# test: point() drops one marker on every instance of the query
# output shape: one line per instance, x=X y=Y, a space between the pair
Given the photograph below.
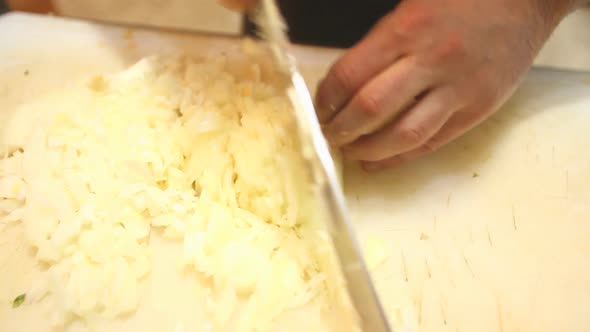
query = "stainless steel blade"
x=316 y=152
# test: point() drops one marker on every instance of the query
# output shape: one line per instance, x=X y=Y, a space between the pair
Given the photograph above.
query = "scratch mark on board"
x=514 y=219
x=405 y=267
x=451 y=280
x=468 y=265
x=419 y=305
x=428 y=268
x=442 y=311
x=489 y=237
x=567 y=183
x=500 y=318
x=396 y=230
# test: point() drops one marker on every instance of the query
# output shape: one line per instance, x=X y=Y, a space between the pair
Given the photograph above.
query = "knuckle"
x=450 y=49
x=453 y=45
x=344 y=74
x=375 y=154
x=414 y=20
x=367 y=154
x=430 y=146
x=369 y=104
x=413 y=135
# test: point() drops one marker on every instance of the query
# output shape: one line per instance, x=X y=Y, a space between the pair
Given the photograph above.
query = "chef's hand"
x=428 y=72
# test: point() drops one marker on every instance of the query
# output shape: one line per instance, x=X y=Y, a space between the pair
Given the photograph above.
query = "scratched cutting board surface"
x=492 y=233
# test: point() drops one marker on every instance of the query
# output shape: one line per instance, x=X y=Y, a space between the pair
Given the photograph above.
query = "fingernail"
x=327 y=102
x=320 y=97
x=337 y=139
x=325 y=114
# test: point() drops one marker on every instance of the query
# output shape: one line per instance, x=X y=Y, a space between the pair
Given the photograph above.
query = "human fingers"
x=457 y=125
x=378 y=102
x=376 y=52
x=412 y=130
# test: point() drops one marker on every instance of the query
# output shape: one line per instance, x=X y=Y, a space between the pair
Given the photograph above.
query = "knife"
x=316 y=154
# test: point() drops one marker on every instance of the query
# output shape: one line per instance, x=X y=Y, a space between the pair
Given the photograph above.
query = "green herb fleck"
x=475 y=175
x=19 y=300
x=27 y=72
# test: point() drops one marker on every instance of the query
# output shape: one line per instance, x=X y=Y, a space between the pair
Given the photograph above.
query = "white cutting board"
x=491 y=233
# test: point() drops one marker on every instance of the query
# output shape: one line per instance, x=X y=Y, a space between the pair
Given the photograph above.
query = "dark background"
x=336 y=23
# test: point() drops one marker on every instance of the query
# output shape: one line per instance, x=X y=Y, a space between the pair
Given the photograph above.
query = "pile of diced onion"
x=201 y=150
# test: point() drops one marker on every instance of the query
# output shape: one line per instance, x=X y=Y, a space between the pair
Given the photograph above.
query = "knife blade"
x=316 y=153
